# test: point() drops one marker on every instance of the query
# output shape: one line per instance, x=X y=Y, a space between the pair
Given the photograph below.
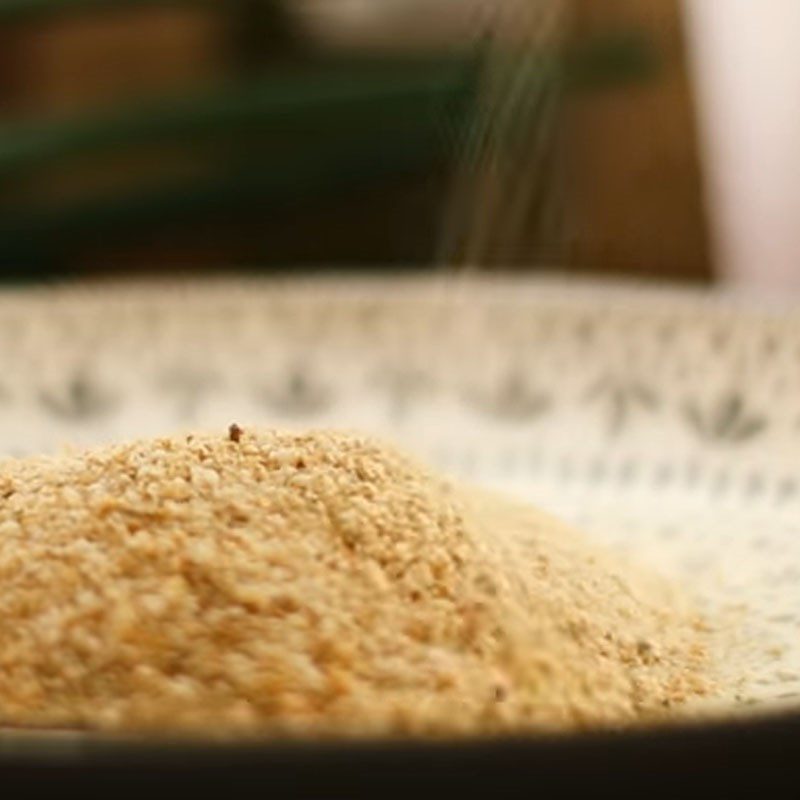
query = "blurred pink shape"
x=746 y=60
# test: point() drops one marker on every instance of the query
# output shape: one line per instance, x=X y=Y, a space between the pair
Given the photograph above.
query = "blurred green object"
x=333 y=94
x=276 y=140
x=315 y=133
x=40 y=236
x=327 y=91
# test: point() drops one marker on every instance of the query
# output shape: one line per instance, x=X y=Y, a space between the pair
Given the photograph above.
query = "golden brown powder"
x=313 y=584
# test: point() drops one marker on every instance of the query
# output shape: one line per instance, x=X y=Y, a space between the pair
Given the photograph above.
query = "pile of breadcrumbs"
x=312 y=584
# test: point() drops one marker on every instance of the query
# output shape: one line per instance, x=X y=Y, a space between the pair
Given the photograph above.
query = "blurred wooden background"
x=632 y=177
x=637 y=190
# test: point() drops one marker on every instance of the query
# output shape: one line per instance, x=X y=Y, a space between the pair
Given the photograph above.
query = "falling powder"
x=314 y=584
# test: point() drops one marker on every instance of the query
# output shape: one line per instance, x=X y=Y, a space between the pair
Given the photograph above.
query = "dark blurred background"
x=267 y=135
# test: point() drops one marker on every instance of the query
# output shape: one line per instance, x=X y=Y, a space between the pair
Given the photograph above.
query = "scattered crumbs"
x=234 y=432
